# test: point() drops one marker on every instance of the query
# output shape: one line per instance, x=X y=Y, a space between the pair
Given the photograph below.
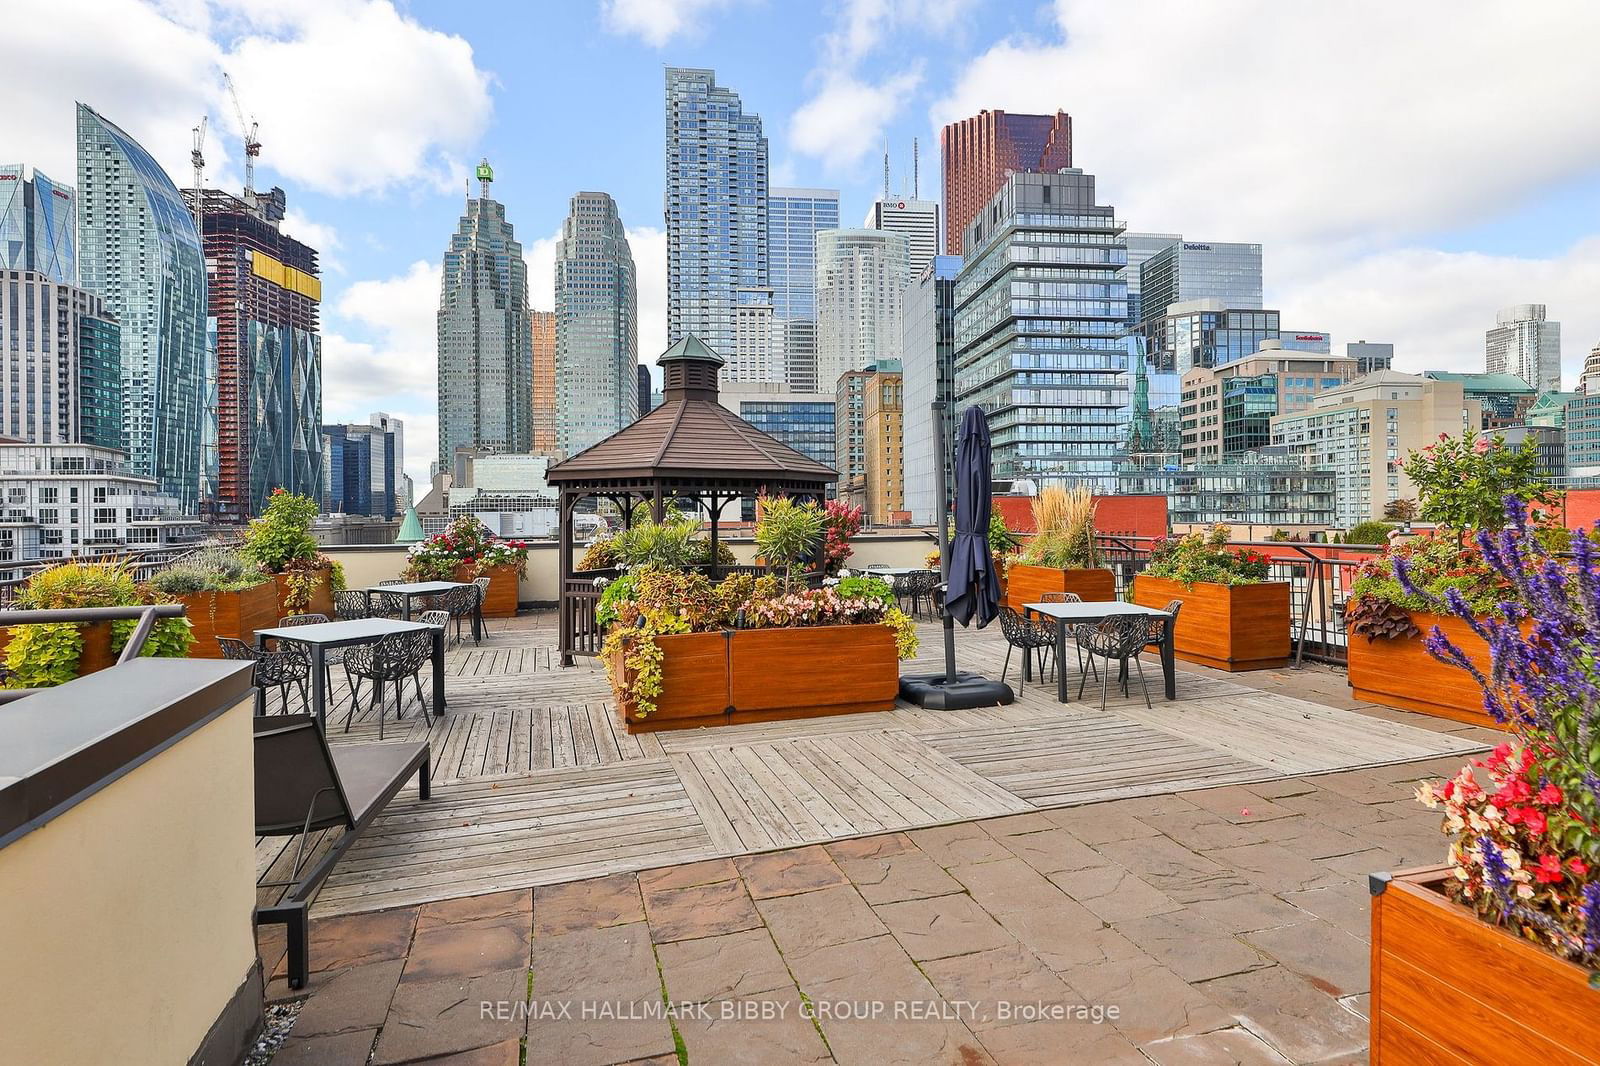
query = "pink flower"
x=1548 y=871
x=1481 y=446
x=1550 y=795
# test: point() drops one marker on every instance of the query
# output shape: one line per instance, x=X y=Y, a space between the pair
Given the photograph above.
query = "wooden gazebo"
x=690 y=447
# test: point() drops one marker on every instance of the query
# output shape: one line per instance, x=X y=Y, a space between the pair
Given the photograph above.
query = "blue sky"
x=1408 y=170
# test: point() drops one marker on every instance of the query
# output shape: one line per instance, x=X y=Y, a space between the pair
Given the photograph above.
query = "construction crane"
x=196 y=157
x=252 y=147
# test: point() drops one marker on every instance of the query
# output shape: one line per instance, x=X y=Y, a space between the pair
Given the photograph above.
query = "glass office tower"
x=1200 y=270
x=485 y=343
x=793 y=218
x=1040 y=312
x=597 y=325
x=929 y=374
x=140 y=252
x=716 y=207
x=38 y=226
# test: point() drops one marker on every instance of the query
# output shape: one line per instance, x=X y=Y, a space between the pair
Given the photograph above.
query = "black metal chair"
x=392 y=659
x=1156 y=628
x=273 y=669
x=1120 y=637
x=482 y=584
x=386 y=604
x=303 y=786
x=331 y=657
x=1048 y=625
x=462 y=604
x=1024 y=636
x=437 y=619
x=351 y=604
x=919 y=587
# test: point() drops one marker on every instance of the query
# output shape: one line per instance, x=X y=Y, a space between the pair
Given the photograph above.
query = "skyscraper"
x=1525 y=343
x=542 y=327
x=1200 y=270
x=978 y=152
x=918 y=220
x=38 y=225
x=139 y=250
x=363 y=467
x=485 y=344
x=644 y=389
x=793 y=218
x=60 y=352
x=1142 y=246
x=755 y=352
x=861 y=282
x=263 y=296
x=597 y=325
x=929 y=374
x=1052 y=372
x=716 y=207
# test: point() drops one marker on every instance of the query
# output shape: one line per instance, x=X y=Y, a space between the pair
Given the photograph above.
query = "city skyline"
x=1422 y=257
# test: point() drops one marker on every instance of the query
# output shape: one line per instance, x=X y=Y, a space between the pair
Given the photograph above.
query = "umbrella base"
x=967 y=691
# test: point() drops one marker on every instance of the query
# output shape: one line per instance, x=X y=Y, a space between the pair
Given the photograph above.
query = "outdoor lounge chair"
x=303 y=785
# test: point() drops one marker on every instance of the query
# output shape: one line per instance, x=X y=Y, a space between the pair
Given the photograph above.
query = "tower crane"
x=196 y=157
x=252 y=147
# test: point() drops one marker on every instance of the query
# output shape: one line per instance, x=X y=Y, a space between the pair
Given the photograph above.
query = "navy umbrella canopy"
x=974 y=589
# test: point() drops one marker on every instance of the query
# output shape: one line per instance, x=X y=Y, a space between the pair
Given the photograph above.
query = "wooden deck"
x=535 y=782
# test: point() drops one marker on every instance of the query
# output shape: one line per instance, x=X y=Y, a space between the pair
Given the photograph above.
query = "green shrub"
x=282 y=535
x=1369 y=532
x=787 y=533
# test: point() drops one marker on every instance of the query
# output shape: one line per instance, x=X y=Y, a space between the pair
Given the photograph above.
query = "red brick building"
x=978 y=151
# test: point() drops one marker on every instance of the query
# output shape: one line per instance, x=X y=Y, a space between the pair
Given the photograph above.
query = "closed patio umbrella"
x=972 y=586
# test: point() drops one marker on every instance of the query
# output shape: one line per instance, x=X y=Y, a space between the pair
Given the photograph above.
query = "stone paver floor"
x=1221 y=926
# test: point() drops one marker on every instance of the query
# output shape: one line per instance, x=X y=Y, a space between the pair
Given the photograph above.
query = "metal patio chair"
x=1024 y=636
x=273 y=669
x=391 y=660
x=1120 y=637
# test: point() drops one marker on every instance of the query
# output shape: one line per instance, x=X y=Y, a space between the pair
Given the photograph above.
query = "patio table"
x=411 y=590
x=1073 y=614
x=321 y=636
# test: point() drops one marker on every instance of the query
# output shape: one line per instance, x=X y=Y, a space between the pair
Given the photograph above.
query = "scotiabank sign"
x=1311 y=336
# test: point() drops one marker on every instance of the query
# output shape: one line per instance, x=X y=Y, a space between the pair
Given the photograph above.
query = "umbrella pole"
x=944 y=540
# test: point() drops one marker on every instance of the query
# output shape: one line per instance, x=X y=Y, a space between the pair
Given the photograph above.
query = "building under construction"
x=263 y=291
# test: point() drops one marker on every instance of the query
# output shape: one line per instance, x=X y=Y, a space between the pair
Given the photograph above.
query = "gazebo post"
x=717 y=502
x=567 y=504
x=658 y=504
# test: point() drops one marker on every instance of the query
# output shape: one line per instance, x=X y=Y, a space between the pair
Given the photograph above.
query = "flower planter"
x=810 y=671
x=1026 y=584
x=1401 y=673
x=96 y=654
x=733 y=676
x=1449 y=988
x=236 y=614
x=502 y=599
x=321 y=595
x=1225 y=627
x=694 y=684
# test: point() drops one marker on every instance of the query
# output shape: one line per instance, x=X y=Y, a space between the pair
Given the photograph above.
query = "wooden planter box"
x=1028 y=584
x=96 y=654
x=1449 y=988
x=502 y=599
x=1401 y=673
x=758 y=675
x=321 y=596
x=1225 y=627
x=811 y=671
x=238 y=614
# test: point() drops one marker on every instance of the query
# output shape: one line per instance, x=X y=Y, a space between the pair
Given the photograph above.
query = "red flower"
x=1548 y=871
x=1534 y=820
x=1550 y=796
x=1578 y=866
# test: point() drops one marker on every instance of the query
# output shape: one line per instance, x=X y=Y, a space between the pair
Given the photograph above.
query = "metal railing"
x=145 y=564
x=146 y=617
x=1319 y=576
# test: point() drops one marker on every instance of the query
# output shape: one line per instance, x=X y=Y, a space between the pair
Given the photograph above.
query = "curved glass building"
x=138 y=249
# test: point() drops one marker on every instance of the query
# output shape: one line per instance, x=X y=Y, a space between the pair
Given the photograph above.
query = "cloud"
x=324 y=238
x=353 y=97
x=1435 y=306
x=1358 y=121
x=864 y=24
x=395 y=368
x=845 y=121
x=649 y=247
x=541 y=259
x=658 y=22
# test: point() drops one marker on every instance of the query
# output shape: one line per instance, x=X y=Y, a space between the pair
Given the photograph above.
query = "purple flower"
x=1496 y=874
x=1591 y=918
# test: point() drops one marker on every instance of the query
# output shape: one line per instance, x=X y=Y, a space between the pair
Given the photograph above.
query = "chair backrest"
x=482 y=583
x=1015 y=628
x=295 y=774
x=417 y=649
x=387 y=604
x=1120 y=635
x=351 y=603
x=1060 y=597
x=233 y=648
x=434 y=618
x=459 y=600
x=1156 y=628
x=393 y=581
x=302 y=620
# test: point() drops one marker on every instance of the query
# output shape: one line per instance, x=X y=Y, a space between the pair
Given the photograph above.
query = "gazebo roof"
x=691 y=438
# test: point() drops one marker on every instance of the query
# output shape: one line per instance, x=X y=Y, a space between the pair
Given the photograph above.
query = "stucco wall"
x=365 y=565
x=125 y=923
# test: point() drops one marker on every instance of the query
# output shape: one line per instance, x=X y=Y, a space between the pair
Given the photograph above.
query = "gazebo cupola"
x=689 y=371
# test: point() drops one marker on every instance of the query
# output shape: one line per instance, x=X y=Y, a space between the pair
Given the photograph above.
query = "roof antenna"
x=886 y=173
x=916 y=186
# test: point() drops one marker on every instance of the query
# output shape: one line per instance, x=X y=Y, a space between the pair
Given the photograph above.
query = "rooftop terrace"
x=1198 y=867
